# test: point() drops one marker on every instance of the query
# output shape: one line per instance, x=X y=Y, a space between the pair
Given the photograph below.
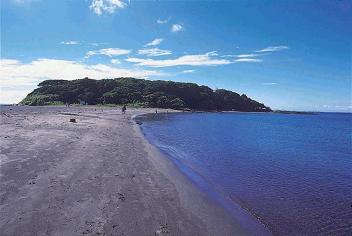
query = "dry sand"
x=98 y=176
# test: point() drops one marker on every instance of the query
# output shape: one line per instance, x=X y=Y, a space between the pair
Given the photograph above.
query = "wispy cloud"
x=252 y=57
x=74 y=42
x=44 y=68
x=115 y=61
x=17 y=75
x=159 y=21
x=248 y=60
x=273 y=49
x=69 y=42
x=338 y=107
x=97 y=44
x=154 y=52
x=206 y=59
x=269 y=83
x=188 y=71
x=176 y=28
x=109 y=6
x=109 y=52
x=228 y=55
x=212 y=53
x=155 y=42
x=249 y=55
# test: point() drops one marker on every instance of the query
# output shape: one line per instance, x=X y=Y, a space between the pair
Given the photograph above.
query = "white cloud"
x=17 y=78
x=212 y=53
x=69 y=42
x=188 y=60
x=115 y=61
x=273 y=49
x=109 y=6
x=73 y=42
x=154 y=52
x=155 y=42
x=176 y=27
x=97 y=44
x=109 y=52
x=249 y=55
x=269 y=83
x=228 y=55
x=11 y=96
x=188 y=71
x=340 y=108
x=159 y=21
x=248 y=60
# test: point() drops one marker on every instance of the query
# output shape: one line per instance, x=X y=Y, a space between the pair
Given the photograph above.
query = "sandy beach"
x=97 y=176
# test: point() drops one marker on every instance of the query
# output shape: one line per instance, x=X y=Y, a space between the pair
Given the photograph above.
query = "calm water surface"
x=293 y=172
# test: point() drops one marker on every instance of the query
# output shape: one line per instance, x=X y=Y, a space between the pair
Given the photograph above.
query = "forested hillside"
x=146 y=93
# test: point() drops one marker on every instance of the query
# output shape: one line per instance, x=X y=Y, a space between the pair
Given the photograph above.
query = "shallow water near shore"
x=292 y=172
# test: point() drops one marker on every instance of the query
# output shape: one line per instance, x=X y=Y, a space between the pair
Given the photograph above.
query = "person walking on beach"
x=123 y=109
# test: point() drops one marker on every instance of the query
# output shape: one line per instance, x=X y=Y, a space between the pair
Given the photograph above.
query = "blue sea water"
x=293 y=172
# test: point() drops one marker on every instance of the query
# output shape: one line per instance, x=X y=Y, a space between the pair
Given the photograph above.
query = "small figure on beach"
x=156 y=113
x=124 y=109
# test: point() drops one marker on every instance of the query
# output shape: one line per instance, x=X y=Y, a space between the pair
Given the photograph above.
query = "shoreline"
x=239 y=213
x=97 y=176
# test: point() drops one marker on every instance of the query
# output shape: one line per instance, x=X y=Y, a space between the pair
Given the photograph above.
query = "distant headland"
x=143 y=93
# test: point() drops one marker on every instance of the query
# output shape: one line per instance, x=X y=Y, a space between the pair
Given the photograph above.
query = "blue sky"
x=293 y=55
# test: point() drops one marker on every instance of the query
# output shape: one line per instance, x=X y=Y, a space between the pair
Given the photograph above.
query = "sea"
x=291 y=172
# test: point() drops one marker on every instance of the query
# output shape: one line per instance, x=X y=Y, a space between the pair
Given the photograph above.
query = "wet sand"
x=97 y=176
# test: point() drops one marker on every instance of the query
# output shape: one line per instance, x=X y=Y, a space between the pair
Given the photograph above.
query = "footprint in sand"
x=121 y=197
x=33 y=180
x=163 y=230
